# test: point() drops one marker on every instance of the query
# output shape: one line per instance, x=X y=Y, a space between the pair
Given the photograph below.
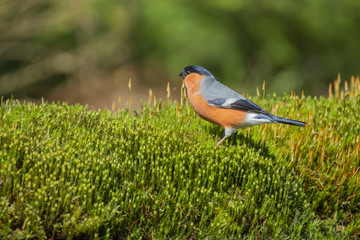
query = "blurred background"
x=85 y=51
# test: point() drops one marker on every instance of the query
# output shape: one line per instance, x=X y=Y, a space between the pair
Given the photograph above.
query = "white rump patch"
x=254 y=119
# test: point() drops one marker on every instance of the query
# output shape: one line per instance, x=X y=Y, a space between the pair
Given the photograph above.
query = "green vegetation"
x=71 y=172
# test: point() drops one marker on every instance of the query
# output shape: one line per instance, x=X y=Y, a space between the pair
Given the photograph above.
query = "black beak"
x=183 y=74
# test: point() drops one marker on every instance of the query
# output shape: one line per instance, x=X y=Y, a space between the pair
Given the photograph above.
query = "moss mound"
x=70 y=172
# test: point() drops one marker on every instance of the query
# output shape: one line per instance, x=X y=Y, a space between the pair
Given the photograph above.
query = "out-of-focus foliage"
x=291 y=44
x=45 y=42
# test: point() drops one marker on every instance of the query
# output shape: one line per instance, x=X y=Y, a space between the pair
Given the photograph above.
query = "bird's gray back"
x=212 y=89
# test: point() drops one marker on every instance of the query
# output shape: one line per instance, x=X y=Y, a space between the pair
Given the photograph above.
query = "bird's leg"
x=228 y=132
x=219 y=143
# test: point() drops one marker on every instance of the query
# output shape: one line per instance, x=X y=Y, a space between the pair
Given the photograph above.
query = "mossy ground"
x=70 y=172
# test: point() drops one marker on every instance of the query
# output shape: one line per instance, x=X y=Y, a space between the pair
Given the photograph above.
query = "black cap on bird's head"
x=194 y=69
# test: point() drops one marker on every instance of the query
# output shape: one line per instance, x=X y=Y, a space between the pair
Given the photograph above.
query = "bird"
x=220 y=105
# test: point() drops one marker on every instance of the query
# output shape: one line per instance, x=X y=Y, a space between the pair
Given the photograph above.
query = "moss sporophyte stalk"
x=71 y=172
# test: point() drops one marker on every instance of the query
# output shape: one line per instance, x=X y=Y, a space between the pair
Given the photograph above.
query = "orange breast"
x=220 y=116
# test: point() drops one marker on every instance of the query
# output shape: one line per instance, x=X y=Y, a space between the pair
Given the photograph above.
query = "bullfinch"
x=222 y=106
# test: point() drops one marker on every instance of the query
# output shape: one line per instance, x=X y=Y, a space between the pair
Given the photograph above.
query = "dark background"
x=85 y=51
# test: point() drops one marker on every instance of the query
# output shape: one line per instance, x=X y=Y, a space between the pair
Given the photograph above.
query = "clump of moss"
x=70 y=172
x=325 y=154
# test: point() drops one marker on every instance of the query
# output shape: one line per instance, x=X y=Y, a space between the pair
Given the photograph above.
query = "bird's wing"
x=237 y=104
x=219 y=95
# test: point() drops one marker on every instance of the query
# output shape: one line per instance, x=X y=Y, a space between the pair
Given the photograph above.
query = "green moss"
x=70 y=172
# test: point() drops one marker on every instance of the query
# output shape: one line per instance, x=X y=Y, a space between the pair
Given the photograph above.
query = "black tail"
x=288 y=121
